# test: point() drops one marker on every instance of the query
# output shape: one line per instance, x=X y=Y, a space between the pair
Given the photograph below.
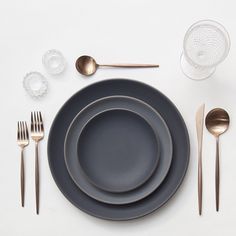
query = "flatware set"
x=37 y=134
x=217 y=122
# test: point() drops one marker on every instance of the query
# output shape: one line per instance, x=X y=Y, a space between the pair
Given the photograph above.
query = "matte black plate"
x=110 y=103
x=127 y=88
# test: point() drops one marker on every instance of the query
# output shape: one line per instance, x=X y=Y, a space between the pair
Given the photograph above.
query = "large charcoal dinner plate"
x=117 y=135
x=137 y=90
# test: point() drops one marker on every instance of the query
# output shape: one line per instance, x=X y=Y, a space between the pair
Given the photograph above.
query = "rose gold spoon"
x=217 y=122
x=87 y=65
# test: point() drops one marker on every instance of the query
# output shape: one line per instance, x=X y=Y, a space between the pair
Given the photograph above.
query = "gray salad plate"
x=108 y=144
x=151 y=96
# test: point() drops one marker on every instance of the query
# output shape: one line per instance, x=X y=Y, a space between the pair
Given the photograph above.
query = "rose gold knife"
x=199 y=127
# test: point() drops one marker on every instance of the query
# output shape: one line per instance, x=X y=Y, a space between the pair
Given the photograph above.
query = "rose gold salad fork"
x=37 y=134
x=22 y=141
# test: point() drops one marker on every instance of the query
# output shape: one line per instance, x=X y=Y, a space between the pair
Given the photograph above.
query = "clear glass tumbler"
x=206 y=44
x=54 y=62
x=35 y=84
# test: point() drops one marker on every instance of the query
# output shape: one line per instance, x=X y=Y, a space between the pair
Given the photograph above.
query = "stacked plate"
x=118 y=149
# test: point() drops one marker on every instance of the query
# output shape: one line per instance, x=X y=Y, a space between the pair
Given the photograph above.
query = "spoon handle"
x=130 y=65
x=217 y=174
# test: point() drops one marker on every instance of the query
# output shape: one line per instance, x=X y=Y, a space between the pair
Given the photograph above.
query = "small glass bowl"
x=35 y=84
x=54 y=62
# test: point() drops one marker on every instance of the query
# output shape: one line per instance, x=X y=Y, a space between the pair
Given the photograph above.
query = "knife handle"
x=200 y=183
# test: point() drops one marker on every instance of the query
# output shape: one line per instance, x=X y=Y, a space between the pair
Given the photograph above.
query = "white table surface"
x=112 y=31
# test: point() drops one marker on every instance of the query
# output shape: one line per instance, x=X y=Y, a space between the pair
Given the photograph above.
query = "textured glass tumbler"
x=35 y=84
x=54 y=62
x=206 y=44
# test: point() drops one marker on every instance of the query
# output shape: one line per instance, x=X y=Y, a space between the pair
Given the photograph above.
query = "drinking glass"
x=206 y=45
x=54 y=62
x=35 y=84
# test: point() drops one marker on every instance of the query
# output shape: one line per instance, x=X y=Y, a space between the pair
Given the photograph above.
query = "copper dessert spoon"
x=87 y=65
x=217 y=122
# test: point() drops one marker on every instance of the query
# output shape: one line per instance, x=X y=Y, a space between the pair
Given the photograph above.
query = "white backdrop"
x=112 y=31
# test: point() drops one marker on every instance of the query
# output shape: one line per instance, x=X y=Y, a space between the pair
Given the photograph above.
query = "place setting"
x=119 y=149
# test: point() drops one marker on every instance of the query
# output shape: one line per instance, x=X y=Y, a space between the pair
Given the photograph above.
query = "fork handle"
x=22 y=178
x=37 y=177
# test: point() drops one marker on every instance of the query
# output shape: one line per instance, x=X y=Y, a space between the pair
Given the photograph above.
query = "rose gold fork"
x=22 y=141
x=37 y=134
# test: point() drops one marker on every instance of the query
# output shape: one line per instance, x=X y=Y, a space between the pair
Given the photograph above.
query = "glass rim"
x=219 y=27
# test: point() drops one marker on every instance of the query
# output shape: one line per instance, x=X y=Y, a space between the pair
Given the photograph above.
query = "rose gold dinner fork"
x=37 y=134
x=22 y=141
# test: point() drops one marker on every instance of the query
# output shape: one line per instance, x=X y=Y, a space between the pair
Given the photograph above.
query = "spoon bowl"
x=86 y=65
x=217 y=121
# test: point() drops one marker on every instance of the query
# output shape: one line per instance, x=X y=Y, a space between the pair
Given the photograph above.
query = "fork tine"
x=38 y=122
x=21 y=131
x=26 y=131
x=35 y=121
x=24 y=125
x=18 y=131
x=32 y=121
x=41 y=121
